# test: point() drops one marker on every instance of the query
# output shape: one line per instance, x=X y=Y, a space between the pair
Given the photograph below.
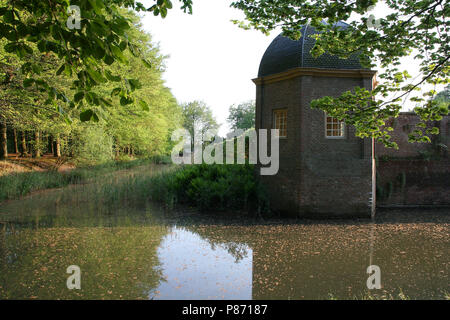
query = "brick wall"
x=405 y=124
x=413 y=182
x=417 y=173
x=317 y=176
x=333 y=177
x=336 y=175
x=283 y=187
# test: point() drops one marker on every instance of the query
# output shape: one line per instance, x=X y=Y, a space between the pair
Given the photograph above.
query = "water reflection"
x=131 y=260
x=139 y=251
x=119 y=262
x=329 y=260
x=194 y=268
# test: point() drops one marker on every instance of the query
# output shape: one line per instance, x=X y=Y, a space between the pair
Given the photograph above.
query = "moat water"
x=147 y=252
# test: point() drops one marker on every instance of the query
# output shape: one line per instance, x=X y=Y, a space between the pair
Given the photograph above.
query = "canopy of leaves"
x=101 y=40
x=198 y=118
x=141 y=128
x=242 y=116
x=443 y=96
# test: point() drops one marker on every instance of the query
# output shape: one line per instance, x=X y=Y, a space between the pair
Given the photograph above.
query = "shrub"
x=92 y=145
x=211 y=187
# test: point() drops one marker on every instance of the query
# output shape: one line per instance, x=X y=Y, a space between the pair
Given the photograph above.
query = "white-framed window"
x=334 y=128
x=280 y=121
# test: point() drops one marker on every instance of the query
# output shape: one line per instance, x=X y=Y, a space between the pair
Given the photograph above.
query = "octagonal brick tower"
x=324 y=169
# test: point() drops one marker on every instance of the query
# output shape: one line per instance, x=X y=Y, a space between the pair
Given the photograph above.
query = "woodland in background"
x=32 y=126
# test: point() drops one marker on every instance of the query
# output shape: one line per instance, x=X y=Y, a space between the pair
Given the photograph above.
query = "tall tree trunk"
x=30 y=144
x=52 y=144
x=16 y=146
x=37 y=144
x=117 y=151
x=68 y=142
x=57 y=147
x=3 y=140
x=23 y=143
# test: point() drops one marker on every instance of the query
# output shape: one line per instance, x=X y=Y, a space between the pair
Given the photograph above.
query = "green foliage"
x=414 y=26
x=124 y=252
x=426 y=155
x=211 y=187
x=162 y=159
x=380 y=192
x=102 y=39
x=389 y=189
x=18 y=184
x=198 y=119
x=135 y=129
x=401 y=178
x=92 y=145
x=443 y=97
x=357 y=109
x=242 y=116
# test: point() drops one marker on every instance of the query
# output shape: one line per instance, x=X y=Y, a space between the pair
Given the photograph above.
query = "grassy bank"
x=18 y=184
x=206 y=187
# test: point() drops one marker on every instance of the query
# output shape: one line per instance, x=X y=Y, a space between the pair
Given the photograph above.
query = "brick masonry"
x=405 y=124
x=417 y=173
x=320 y=177
x=403 y=182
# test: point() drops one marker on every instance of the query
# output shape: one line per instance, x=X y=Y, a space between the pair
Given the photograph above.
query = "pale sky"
x=211 y=59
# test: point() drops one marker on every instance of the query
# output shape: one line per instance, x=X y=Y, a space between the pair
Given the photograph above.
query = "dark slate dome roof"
x=284 y=54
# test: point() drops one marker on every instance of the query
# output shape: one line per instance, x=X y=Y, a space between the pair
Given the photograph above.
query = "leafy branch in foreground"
x=415 y=27
x=101 y=40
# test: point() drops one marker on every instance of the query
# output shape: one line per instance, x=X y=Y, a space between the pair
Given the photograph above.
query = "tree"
x=86 y=38
x=197 y=119
x=421 y=26
x=142 y=128
x=3 y=139
x=22 y=107
x=242 y=116
x=443 y=96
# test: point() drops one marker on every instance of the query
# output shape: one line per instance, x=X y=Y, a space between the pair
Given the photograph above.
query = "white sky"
x=211 y=59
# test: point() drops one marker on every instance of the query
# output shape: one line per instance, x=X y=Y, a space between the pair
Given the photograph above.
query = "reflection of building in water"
x=309 y=264
x=324 y=169
x=326 y=260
